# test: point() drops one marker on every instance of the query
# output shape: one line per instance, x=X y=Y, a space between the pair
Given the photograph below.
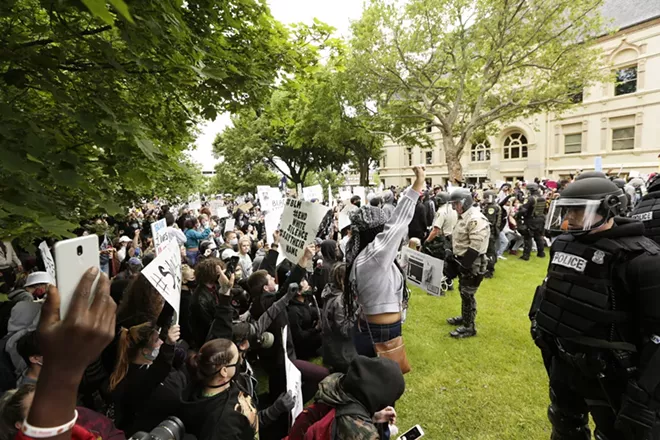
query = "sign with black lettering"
x=164 y=273
x=299 y=225
x=571 y=261
x=643 y=217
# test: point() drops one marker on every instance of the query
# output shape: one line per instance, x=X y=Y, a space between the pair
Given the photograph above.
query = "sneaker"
x=513 y=252
x=464 y=332
x=457 y=320
x=501 y=257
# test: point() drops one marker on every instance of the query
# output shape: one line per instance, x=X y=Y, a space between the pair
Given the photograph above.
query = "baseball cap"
x=124 y=239
x=228 y=253
x=38 y=278
x=134 y=261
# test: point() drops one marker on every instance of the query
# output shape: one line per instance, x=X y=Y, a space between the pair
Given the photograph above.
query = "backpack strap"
x=353 y=409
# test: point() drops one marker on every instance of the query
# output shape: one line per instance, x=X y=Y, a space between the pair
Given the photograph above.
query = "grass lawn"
x=492 y=386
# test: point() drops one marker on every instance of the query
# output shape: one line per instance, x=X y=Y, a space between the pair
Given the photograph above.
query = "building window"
x=623 y=138
x=408 y=181
x=515 y=146
x=383 y=161
x=429 y=128
x=480 y=152
x=429 y=157
x=410 y=158
x=626 y=81
x=382 y=182
x=577 y=95
x=573 y=143
x=429 y=181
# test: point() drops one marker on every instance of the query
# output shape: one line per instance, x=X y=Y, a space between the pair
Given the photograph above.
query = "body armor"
x=539 y=207
x=648 y=212
x=578 y=301
x=493 y=214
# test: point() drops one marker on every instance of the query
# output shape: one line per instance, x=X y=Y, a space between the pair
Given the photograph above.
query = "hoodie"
x=24 y=318
x=388 y=202
x=20 y=295
x=336 y=331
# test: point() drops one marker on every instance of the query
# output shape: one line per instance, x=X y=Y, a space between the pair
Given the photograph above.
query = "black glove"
x=282 y=405
x=468 y=259
x=635 y=419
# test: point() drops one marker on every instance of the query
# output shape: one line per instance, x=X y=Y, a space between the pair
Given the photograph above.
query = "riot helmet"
x=442 y=198
x=490 y=196
x=653 y=183
x=585 y=205
x=533 y=189
x=590 y=174
x=620 y=183
x=461 y=198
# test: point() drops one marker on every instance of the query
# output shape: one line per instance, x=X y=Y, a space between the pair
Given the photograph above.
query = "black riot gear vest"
x=648 y=212
x=493 y=214
x=579 y=302
x=539 y=206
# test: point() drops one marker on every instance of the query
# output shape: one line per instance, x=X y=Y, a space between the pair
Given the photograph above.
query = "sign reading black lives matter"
x=299 y=225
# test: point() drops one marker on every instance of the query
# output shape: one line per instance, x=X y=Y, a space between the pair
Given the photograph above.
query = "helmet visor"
x=573 y=215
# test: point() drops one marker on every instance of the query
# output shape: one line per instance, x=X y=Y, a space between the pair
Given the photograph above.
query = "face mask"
x=276 y=288
x=206 y=225
x=153 y=355
x=39 y=293
x=191 y=284
x=233 y=241
x=134 y=225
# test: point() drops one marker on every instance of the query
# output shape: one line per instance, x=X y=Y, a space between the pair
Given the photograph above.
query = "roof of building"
x=626 y=13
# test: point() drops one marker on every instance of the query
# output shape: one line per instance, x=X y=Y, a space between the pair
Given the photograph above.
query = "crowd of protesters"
x=126 y=363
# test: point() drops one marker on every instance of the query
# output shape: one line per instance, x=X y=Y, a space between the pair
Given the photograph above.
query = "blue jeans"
x=192 y=257
x=504 y=242
x=380 y=332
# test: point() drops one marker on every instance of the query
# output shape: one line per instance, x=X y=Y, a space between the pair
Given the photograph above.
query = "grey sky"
x=336 y=13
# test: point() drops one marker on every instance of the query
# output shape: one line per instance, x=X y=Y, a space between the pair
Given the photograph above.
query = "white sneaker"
x=501 y=257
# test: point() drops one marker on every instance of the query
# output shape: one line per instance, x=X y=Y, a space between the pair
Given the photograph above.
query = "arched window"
x=480 y=151
x=515 y=146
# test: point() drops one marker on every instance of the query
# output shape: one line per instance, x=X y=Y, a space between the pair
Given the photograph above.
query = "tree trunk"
x=453 y=159
x=364 y=172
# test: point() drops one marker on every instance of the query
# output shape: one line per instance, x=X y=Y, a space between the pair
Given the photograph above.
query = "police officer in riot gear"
x=596 y=317
x=467 y=259
x=648 y=209
x=531 y=218
x=493 y=212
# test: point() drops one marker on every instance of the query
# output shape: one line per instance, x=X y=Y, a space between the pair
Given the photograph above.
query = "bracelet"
x=34 y=432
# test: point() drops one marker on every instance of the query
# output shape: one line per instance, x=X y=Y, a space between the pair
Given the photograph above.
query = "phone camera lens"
x=79 y=250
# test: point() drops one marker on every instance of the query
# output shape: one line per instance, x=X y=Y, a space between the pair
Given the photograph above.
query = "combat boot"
x=456 y=320
x=525 y=258
x=541 y=254
x=464 y=332
x=488 y=275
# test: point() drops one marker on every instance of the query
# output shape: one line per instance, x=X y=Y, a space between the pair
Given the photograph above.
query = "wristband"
x=34 y=432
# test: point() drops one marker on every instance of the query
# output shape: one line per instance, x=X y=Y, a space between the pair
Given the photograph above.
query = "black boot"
x=525 y=257
x=488 y=275
x=464 y=332
x=541 y=254
x=456 y=320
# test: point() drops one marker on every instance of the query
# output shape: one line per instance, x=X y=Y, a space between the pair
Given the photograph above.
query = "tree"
x=232 y=177
x=327 y=178
x=462 y=65
x=97 y=113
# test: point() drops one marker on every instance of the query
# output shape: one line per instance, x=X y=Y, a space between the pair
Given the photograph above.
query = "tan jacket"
x=471 y=231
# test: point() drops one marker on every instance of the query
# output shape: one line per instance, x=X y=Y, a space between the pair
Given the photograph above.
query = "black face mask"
x=191 y=284
x=236 y=365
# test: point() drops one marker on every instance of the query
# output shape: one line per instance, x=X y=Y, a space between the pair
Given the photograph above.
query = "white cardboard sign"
x=345 y=195
x=300 y=223
x=360 y=191
x=423 y=270
x=230 y=224
x=313 y=192
x=222 y=212
x=49 y=262
x=160 y=236
x=293 y=380
x=344 y=216
x=164 y=273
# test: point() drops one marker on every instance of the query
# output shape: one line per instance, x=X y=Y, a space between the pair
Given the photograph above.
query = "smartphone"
x=413 y=433
x=72 y=259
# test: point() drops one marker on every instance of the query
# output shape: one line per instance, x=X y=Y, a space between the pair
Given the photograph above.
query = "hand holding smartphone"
x=413 y=433
x=72 y=259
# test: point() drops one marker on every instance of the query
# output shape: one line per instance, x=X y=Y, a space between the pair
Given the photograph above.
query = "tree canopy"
x=462 y=65
x=97 y=110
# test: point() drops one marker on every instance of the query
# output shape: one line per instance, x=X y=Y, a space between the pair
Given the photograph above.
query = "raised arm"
x=385 y=246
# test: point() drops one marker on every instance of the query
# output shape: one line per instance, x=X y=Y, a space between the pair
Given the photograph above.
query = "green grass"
x=492 y=386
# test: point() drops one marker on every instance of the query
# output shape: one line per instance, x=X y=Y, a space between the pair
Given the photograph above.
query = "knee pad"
x=568 y=425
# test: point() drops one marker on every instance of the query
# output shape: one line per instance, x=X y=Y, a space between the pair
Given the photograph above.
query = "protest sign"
x=164 y=273
x=598 y=163
x=230 y=224
x=313 y=192
x=293 y=380
x=48 y=260
x=300 y=224
x=423 y=270
x=345 y=195
x=264 y=195
x=196 y=205
x=245 y=207
x=222 y=212
x=278 y=204
x=160 y=236
x=360 y=191
x=344 y=219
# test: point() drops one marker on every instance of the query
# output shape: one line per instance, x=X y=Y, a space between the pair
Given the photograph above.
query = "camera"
x=231 y=264
x=169 y=429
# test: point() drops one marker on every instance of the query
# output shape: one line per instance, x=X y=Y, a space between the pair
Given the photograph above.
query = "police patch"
x=571 y=261
x=491 y=211
x=644 y=216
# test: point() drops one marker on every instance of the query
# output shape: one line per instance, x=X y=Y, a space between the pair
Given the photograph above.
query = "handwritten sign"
x=230 y=224
x=160 y=236
x=164 y=273
x=313 y=192
x=48 y=260
x=222 y=212
x=293 y=380
x=300 y=224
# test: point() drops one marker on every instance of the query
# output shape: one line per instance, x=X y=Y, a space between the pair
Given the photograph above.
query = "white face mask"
x=153 y=355
x=233 y=241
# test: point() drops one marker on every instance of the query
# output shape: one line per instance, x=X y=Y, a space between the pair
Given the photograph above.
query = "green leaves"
x=100 y=9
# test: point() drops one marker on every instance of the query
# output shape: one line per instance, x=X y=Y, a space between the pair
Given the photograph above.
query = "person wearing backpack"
x=354 y=406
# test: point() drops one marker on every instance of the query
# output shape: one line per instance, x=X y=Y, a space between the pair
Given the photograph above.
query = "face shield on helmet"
x=574 y=215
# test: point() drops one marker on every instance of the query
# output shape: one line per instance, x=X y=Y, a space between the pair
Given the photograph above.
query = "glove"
x=284 y=403
x=469 y=258
x=635 y=419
